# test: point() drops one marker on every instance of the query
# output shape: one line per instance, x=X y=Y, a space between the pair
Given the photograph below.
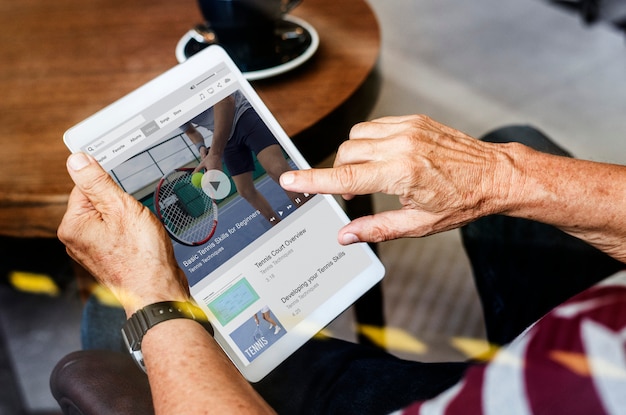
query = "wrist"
x=138 y=302
x=154 y=290
x=505 y=187
x=200 y=146
x=145 y=319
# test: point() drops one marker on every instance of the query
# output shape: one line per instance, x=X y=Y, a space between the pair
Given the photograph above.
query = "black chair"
x=100 y=382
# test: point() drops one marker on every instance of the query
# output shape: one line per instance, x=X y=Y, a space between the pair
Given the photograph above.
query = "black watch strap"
x=141 y=321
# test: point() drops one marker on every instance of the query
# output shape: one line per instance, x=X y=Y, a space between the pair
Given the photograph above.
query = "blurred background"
x=473 y=65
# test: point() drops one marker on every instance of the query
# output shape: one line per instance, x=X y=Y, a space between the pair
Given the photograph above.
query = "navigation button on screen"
x=216 y=184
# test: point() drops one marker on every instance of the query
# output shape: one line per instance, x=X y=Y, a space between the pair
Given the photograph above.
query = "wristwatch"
x=139 y=323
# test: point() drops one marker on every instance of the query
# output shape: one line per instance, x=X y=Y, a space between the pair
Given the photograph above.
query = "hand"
x=118 y=240
x=443 y=178
x=209 y=162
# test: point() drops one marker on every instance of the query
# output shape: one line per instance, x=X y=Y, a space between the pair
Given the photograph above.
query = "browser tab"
x=150 y=128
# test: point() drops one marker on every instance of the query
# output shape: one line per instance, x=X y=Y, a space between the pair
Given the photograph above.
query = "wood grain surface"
x=62 y=60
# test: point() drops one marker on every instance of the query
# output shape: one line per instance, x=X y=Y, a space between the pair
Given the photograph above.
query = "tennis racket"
x=188 y=214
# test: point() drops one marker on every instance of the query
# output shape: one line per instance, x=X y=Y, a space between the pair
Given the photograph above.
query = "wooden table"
x=62 y=60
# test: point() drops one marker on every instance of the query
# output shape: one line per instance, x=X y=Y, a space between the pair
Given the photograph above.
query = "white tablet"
x=264 y=264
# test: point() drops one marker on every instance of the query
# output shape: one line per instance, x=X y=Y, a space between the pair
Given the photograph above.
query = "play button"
x=216 y=184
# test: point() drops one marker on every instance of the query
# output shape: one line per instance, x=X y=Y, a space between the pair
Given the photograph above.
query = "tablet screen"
x=263 y=263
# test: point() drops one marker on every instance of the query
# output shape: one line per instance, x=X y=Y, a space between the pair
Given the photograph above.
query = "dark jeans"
x=522 y=269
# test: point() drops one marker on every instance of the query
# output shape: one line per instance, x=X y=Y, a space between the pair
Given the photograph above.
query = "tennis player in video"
x=237 y=132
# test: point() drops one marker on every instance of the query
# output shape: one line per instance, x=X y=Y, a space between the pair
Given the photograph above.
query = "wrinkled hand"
x=118 y=240
x=443 y=178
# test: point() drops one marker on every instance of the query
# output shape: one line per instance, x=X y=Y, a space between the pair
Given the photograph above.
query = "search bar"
x=108 y=138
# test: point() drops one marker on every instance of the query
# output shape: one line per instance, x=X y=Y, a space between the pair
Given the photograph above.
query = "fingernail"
x=349 y=238
x=78 y=161
x=287 y=178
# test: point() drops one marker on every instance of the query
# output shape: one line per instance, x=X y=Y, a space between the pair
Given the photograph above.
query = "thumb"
x=388 y=225
x=372 y=228
x=90 y=178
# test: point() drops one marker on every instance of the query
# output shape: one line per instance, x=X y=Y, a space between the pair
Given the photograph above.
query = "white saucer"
x=296 y=57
